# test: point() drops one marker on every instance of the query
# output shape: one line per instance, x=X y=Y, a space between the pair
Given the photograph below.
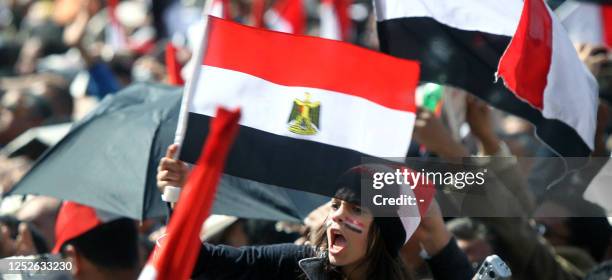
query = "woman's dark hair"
x=380 y=262
x=382 y=257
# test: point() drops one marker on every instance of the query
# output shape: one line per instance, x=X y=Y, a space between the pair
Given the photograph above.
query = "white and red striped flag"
x=335 y=20
x=461 y=43
x=176 y=257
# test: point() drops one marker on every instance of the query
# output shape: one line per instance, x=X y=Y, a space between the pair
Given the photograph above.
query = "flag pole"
x=171 y=194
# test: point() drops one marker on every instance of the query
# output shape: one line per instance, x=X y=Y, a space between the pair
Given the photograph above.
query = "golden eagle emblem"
x=304 y=118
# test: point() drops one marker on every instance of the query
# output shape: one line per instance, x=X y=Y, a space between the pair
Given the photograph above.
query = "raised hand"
x=430 y=131
x=171 y=172
x=478 y=116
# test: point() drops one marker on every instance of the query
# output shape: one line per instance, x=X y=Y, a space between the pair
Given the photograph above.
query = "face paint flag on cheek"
x=354 y=225
x=351 y=224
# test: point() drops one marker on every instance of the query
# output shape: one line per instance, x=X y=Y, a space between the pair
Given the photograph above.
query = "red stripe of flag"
x=606 y=21
x=526 y=62
x=177 y=257
x=294 y=60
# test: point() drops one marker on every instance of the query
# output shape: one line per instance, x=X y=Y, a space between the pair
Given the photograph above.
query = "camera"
x=493 y=268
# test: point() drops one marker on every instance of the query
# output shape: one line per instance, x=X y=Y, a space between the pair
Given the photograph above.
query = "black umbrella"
x=109 y=161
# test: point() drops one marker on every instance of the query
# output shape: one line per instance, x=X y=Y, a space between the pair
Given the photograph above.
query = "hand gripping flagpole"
x=171 y=194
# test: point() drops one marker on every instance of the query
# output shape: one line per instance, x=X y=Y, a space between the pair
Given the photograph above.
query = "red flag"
x=173 y=68
x=177 y=257
x=528 y=57
x=606 y=16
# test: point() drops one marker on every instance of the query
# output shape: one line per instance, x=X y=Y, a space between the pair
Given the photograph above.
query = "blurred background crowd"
x=60 y=58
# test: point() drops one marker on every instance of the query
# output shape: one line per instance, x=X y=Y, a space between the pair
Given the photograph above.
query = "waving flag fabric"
x=541 y=67
x=461 y=43
x=311 y=107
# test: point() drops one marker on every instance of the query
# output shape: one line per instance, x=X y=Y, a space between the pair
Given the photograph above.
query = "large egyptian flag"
x=587 y=22
x=311 y=107
x=461 y=43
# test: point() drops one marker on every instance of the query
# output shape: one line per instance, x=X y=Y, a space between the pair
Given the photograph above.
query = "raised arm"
x=251 y=262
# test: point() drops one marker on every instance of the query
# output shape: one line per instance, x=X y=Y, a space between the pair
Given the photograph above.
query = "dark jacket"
x=289 y=261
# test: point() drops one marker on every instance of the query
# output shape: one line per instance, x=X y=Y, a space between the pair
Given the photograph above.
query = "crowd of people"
x=60 y=58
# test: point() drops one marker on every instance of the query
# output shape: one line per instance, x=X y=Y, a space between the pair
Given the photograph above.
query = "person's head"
x=356 y=241
x=359 y=247
x=20 y=111
x=105 y=252
x=598 y=61
x=349 y=233
x=60 y=100
x=99 y=245
x=471 y=238
x=121 y=64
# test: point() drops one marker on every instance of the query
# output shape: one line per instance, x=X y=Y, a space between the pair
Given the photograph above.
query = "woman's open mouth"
x=337 y=241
